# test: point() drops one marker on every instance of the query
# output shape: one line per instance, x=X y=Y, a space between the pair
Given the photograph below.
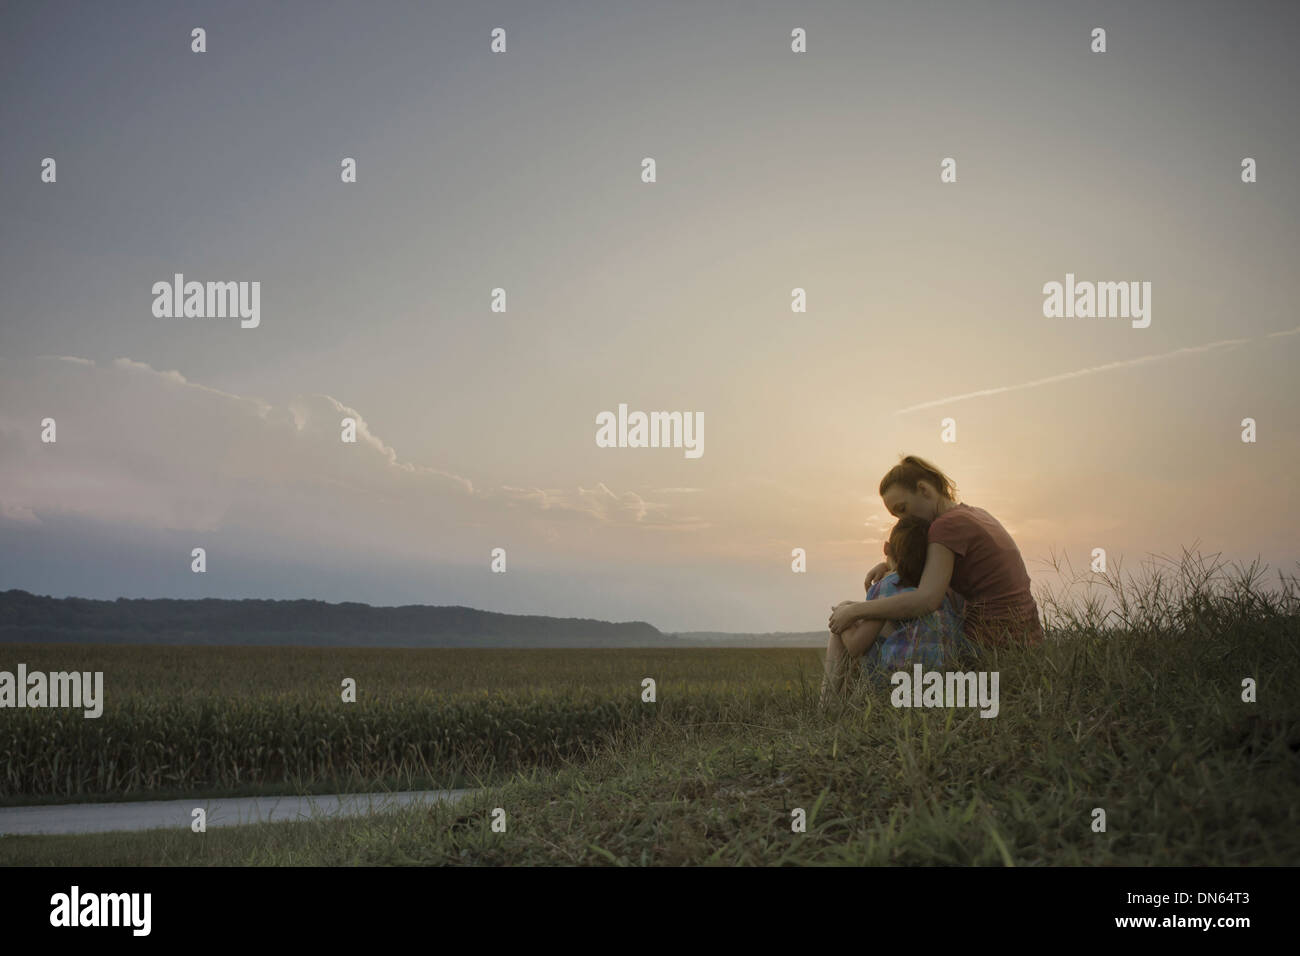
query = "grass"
x=1133 y=707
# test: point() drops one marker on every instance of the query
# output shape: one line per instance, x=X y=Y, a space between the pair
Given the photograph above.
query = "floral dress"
x=935 y=641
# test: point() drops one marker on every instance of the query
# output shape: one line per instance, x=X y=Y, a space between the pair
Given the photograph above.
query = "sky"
x=523 y=171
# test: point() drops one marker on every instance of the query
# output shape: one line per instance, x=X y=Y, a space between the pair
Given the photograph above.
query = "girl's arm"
x=927 y=597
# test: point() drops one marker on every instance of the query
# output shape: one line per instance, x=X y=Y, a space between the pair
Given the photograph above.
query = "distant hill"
x=26 y=617
x=769 y=639
x=32 y=618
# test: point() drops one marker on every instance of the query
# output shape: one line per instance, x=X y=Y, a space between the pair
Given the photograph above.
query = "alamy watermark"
x=102 y=909
x=924 y=688
x=652 y=430
x=179 y=299
x=1100 y=300
x=75 y=689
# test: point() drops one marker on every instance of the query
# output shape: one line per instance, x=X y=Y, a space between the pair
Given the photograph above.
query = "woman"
x=968 y=550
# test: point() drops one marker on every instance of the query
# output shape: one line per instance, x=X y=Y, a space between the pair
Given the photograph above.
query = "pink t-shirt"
x=989 y=573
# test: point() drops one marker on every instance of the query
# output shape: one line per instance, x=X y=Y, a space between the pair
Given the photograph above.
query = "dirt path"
x=221 y=811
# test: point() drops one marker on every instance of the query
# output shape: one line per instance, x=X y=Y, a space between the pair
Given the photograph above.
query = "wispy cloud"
x=1080 y=373
x=194 y=455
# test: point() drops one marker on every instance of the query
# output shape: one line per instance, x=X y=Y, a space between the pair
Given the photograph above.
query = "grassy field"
x=228 y=721
x=1134 y=707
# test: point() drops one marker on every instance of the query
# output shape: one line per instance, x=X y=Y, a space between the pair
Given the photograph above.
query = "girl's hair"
x=912 y=469
x=908 y=543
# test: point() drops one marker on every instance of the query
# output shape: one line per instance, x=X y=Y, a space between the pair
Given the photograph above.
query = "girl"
x=968 y=549
x=932 y=640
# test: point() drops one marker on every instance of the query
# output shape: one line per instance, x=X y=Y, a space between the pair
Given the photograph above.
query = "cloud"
x=19 y=514
x=598 y=502
x=260 y=408
x=328 y=412
x=1080 y=373
x=602 y=504
x=878 y=523
x=150 y=448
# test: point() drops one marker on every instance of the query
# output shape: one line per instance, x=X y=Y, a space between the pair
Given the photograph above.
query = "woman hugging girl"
x=959 y=584
x=934 y=640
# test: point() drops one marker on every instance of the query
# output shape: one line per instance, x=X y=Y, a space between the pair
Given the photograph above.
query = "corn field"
x=217 y=718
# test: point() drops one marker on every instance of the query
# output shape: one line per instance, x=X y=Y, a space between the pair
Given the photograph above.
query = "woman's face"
x=902 y=502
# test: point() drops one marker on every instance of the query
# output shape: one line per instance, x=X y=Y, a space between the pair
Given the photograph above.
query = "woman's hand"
x=843 y=615
x=874 y=575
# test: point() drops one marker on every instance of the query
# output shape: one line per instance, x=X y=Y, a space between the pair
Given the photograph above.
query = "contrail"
x=1109 y=366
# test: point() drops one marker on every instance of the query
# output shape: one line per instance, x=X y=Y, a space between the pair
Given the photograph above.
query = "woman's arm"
x=926 y=598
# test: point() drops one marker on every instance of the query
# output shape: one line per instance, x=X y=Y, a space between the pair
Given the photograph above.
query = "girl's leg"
x=859 y=638
x=842 y=653
x=836 y=664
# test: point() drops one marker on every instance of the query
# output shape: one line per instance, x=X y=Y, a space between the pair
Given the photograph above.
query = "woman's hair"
x=912 y=469
x=908 y=543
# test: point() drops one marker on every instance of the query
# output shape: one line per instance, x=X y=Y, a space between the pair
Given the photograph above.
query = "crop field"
x=220 y=719
x=1171 y=713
